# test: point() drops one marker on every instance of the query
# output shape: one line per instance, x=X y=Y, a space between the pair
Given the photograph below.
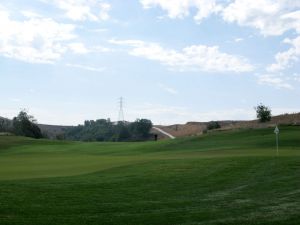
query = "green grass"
x=231 y=177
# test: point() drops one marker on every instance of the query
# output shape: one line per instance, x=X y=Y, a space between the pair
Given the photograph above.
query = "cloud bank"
x=190 y=58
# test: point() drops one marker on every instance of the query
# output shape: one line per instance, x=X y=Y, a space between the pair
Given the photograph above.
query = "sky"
x=172 y=61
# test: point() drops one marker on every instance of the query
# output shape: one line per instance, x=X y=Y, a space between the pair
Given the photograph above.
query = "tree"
x=263 y=113
x=5 y=125
x=2 y=125
x=140 y=129
x=25 y=125
x=122 y=132
x=213 y=125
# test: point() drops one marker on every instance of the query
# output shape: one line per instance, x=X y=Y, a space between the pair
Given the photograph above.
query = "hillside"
x=228 y=177
x=52 y=131
x=5 y=119
x=197 y=128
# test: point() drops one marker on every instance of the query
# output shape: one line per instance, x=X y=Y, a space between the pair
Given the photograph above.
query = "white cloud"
x=38 y=39
x=167 y=89
x=133 y=43
x=181 y=8
x=195 y=57
x=30 y=14
x=15 y=99
x=100 y=30
x=238 y=39
x=35 y=40
x=276 y=81
x=100 y=48
x=271 y=17
x=78 y=48
x=82 y=10
x=85 y=67
x=32 y=91
x=287 y=58
x=81 y=48
x=296 y=77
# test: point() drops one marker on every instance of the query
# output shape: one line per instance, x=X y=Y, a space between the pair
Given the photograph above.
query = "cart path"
x=164 y=132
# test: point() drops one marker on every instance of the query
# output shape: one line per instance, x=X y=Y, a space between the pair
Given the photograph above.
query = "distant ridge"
x=52 y=131
x=197 y=128
x=191 y=128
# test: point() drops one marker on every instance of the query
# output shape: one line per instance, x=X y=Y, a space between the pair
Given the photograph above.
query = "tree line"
x=92 y=130
x=105 y=130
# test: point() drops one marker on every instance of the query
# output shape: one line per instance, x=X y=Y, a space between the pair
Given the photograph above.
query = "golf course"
x=224 y=177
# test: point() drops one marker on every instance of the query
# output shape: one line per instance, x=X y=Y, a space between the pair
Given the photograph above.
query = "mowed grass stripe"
x=236 y=190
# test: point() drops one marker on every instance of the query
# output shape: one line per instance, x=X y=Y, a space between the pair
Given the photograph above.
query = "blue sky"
x=172 y=61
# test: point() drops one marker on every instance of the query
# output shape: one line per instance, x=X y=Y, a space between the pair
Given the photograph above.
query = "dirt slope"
x=197 y=128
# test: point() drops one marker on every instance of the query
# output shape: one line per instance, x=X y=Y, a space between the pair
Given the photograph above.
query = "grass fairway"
x=231 y=177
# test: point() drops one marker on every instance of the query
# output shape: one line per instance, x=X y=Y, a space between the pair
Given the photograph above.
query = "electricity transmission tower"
x=121 y=112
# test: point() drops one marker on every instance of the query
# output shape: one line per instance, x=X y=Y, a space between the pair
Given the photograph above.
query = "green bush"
x=213 y=125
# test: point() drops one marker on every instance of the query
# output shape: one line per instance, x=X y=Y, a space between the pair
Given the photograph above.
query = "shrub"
x=213 y=125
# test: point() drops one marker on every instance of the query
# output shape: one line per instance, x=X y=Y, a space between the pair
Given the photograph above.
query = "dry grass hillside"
x=197 y=128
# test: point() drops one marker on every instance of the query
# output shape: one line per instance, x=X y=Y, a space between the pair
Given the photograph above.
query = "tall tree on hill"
x=25 y=125
x=263 y=113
